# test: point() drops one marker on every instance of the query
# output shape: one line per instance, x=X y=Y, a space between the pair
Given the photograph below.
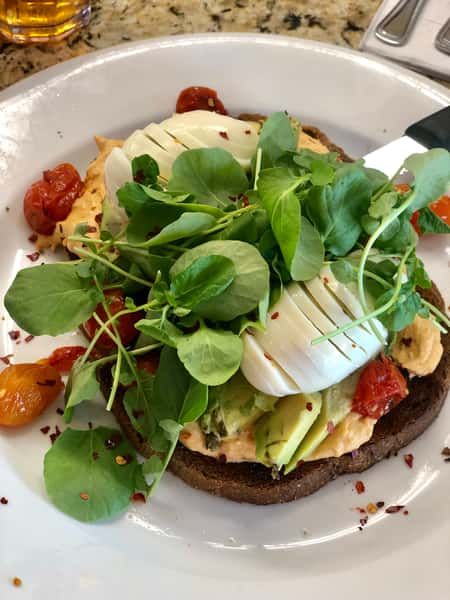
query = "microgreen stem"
x=371 y=241
x=380 y=310
x=166 y=461
x=440 y=316
x=115 y=383
x=257 y=167
x=111 y=265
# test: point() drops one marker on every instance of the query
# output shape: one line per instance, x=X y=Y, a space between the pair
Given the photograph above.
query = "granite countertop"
x=341 y=22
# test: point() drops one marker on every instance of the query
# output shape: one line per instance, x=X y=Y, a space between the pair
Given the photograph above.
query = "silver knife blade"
x=389 y=158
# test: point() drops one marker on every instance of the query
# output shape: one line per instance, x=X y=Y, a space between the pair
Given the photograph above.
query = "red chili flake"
x=59 y=411
x=395 y=508
x=267 y=355
x=447 y=459
x=29 y=338
x=363 y=521
x=17 y=582
x=353 y=345
x=380 y=504
x=330 y=427
x=95 y=456
x=232 y=198
x=90 y=424
x=409 y=460
x=309 y=406
x=91 y=229
x=224 y=134
x=5 y=359
x=98 y=218
x=325 y=280
x=14 y=334
x=45 y=429
x=407 y=341
x=33 y=257
x=138 y=497
x=406 y=513
x=247 y=131
x=275 y=315
x=245 y=201
x=33 y=238
x=112 y=442
x=445 y=451
x=361 y=510
x=360 y=487
x=84 y=496
x=55 y=436
x=4 y=500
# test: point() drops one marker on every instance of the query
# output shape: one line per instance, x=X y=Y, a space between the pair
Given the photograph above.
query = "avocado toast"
x=257 y=317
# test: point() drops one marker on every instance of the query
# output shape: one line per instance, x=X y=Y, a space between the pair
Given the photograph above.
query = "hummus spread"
x=307 y=141
x=418 y=347
x=349 y=435
x=85 y=208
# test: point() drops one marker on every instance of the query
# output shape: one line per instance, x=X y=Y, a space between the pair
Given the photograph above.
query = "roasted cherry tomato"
x=199 y=98
x=50 y=199
x=63 y=359
x=441 y=208
x=124 y=324
x=25 y=392
x=380 y=387
x=149 y=362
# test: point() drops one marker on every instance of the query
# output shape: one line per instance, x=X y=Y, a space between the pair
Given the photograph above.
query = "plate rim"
x=92 y=59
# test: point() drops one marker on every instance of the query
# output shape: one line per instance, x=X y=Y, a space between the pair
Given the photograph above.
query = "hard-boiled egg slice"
x=324 y=324
x=138 y=143
x=301 y=317
x=117 y=171
x=255 y=362
x=204 y=129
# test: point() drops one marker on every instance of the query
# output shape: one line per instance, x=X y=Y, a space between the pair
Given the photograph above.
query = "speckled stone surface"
x=340 y=22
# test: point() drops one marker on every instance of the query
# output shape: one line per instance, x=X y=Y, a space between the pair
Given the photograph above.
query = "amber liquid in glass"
x=25 y=21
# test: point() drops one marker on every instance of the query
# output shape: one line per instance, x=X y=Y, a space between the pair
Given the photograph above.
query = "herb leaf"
x=277 y=137
x=429 y=222
x=51 y=299
x=205 y=278
x=210 y=356
x=145 y=169
x=186 y=225
x=431 y=172
x=82 y=385
x=250 y=284
x=84 y=480
x=211 y=175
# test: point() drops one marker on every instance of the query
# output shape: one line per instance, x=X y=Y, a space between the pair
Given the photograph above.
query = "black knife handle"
x=433 y=131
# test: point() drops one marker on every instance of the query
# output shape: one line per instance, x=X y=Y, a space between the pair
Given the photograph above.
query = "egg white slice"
x=324 y=324
x=255 y=362
x=117 y=172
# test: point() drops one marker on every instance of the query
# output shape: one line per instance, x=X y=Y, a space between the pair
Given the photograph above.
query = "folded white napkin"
x=419 y=51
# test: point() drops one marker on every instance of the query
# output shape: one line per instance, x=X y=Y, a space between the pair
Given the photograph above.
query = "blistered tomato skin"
x=25 y=392
x=199 y=98
x=125 y=323
x=50 y=199
x=63 y=359
x=380 y=387
x=149 y=362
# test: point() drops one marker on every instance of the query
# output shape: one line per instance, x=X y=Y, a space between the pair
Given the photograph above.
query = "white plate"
x=186 y=543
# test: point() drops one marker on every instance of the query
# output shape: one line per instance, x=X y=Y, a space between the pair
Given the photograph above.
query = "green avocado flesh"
x=278 y=434
x=336 y=404
x=234 y=407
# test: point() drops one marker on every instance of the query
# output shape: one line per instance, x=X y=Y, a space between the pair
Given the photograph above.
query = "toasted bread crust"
x=253 y=483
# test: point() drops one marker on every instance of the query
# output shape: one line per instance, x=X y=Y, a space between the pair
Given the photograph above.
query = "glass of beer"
x=26 y=21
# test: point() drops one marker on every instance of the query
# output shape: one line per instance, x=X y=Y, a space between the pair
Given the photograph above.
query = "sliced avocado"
x=336 y=404
x=235 y=406
x=279 y=433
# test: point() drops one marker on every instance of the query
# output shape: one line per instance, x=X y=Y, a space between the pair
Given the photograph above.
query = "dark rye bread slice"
x=253 y=483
